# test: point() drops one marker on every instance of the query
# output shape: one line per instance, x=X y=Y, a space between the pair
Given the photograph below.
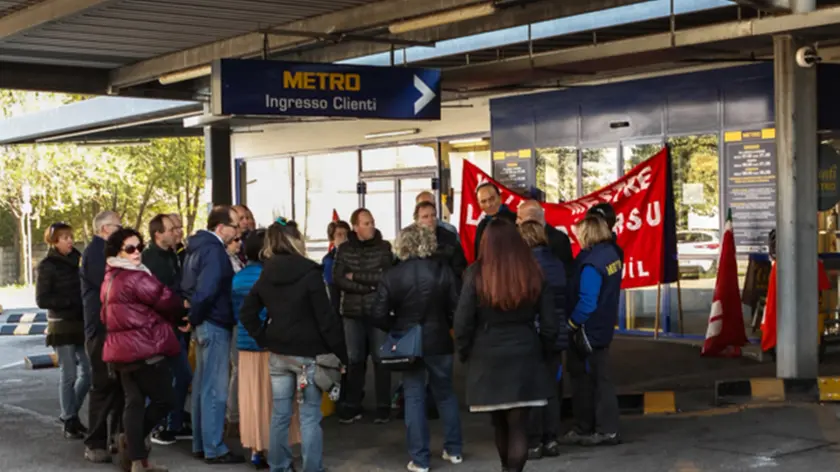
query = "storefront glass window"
x=480 y=156
x=599 y=168
x=380 y=199
x=635 y=154
x=268 y=191
x=557 y=173
x=400 y=157
x=324 y=183
x=697 y=202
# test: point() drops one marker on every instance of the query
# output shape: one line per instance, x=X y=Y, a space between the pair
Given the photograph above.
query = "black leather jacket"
x=419 y=291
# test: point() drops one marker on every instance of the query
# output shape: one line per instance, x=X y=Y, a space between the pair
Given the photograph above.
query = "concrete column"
x=803 y=6
x=217 y=163
x=796 y=218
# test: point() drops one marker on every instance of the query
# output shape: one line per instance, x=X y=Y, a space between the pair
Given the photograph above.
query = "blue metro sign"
x=278 y=88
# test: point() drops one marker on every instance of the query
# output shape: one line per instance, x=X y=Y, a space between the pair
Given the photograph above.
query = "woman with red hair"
x=505 y=328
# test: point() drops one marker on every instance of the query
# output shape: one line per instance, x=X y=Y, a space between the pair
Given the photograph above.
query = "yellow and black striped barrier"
x=43 y=361
x=646 y=403
x=40 y=317
x=764 y=390
x=23 y=329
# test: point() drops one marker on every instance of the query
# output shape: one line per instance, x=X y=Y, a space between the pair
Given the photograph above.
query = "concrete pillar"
x=796 y=218
x=217 y=164
x=803 y=6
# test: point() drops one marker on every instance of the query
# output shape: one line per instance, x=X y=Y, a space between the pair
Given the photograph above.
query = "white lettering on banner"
x=630 y=272
x=634 y=219
x=639 y=200
x=471 y=220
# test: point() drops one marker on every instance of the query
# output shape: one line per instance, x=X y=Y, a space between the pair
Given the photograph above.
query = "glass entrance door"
x=391 y=198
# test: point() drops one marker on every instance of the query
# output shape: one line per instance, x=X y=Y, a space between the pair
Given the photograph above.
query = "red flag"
x=725 y=334
x=334 y=218
x=768 y=322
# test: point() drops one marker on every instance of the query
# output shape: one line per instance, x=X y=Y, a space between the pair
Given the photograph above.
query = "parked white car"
x=698 y=250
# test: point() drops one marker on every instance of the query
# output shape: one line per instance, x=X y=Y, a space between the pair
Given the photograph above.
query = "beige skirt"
x=255 y=400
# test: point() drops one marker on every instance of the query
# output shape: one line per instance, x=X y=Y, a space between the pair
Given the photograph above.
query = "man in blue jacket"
x=106 y=396
x=206 y=283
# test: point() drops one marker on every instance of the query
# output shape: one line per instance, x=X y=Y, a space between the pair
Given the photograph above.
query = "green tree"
x=695 y=161
x=73 y=184
x=557 y=173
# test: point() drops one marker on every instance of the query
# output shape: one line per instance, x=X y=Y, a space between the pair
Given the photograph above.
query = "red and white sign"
x=639 y=199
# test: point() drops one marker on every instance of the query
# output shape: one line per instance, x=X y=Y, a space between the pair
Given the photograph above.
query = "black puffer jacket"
x=450 y=252
x=419 y=291
x=367 y=261
x=59 y=290
x=300 y=321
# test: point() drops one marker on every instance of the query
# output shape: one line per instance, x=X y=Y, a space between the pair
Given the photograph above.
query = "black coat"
x=300 y=319
x=504 y=213
x=163 y=264
x=418 y=291
x=367 y=261
x=58 y=289
x=560 y=246
x=450 y=252
x=92 y=274
x=504 y=353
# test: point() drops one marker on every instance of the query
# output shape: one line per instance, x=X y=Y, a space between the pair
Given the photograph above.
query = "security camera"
x=807 y=57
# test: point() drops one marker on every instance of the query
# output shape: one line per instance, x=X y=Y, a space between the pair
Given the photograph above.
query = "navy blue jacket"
x=554 y=273
x=243 y=281
x=207 y=279
x=327 y=264
x=92 y=273
x=606 y=282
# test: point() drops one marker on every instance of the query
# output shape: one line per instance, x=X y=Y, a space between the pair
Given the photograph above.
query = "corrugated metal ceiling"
x=124 y=31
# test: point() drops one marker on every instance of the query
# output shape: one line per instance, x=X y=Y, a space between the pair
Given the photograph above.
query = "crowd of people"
x=242 y=324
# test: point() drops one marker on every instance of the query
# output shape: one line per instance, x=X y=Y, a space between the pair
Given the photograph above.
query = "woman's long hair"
x=283 y=237
x=507 y=274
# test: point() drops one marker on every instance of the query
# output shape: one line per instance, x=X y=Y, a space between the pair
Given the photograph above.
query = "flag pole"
x=679 y=304
x=656 y=322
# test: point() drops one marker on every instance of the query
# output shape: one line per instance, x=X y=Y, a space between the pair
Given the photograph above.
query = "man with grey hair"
x=106 y=396
x=558 y=241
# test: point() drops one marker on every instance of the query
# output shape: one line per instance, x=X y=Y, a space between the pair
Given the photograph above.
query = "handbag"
x=403 y=349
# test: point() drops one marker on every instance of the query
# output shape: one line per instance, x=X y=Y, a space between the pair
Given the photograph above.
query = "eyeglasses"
x=131 y=249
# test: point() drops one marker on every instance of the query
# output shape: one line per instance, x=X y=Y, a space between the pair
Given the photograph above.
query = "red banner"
x=639 y=199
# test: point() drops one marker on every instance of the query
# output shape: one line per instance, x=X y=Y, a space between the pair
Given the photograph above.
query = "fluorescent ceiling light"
x=468 y=141
x=113 y=143
x=185 y=75
x=388 y=134
x=443 y=18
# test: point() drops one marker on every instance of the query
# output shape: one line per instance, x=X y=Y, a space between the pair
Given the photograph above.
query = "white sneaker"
x=452 y=459
x=416 y=468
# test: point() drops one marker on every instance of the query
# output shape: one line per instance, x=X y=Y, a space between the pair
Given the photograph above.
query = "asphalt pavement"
x=780 y=438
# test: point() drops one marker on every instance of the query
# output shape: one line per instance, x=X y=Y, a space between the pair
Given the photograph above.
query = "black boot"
x=71 y=429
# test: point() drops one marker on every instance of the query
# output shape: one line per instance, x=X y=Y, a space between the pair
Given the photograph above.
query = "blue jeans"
x=439 y=369
x=284 y=390
x=72 y=388
x=181 y=378
x=210 y=389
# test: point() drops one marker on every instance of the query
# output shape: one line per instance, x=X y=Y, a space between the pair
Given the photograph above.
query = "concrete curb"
x=23 y=329
x=40 y=317
x=821 y=389
x=43 y=361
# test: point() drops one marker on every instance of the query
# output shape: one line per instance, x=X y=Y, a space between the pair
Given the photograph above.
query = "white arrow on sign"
x=426 y=95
